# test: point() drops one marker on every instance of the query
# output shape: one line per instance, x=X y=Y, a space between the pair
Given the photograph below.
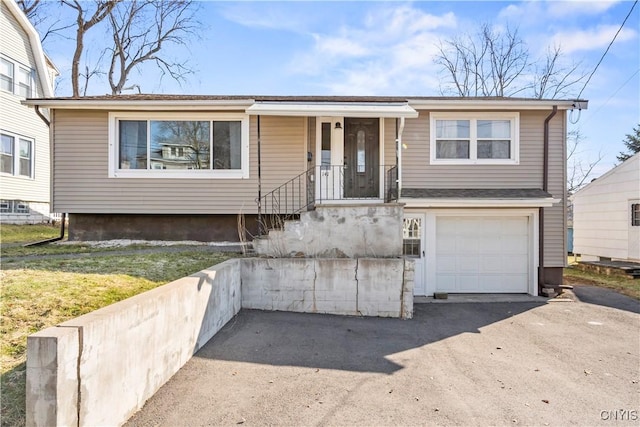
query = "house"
x=25 y=72
x=477 y=184
x=606 y=215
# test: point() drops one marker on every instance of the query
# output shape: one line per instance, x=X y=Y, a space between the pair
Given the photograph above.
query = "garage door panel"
x=491 y=263
x=467 y=283
x=446 y=282
x=482 y=254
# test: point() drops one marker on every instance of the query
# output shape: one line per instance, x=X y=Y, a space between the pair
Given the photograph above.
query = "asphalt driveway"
x=525 y=363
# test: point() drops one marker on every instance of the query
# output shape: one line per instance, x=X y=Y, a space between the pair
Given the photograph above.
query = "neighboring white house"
x=25 y=72
x=606 y=215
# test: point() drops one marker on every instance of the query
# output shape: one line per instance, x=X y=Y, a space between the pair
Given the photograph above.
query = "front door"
x=361 y=158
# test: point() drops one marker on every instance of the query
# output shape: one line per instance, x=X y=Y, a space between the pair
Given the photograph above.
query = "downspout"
x=545 y=188
x=64 y=215
x=260 y=225
x=42 y=116
x=399 y=143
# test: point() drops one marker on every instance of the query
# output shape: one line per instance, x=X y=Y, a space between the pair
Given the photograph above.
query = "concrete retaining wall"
x=361 y=286
x=98 y=369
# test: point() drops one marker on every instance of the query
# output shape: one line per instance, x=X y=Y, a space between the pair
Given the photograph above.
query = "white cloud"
x=579 y=7
x=591 y=39
x=391 y=51
x=533 y=12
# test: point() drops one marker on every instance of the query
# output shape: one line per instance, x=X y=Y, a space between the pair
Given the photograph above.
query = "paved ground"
x=518 y=363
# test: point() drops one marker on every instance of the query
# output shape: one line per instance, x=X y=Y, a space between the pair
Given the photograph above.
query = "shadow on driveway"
x=606 y=297
x=355 y=343
x=523 y=363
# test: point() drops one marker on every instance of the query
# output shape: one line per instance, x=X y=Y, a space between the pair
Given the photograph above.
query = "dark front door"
x=361 y=158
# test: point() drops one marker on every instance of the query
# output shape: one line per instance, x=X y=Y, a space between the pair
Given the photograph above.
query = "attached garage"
x=482 y=254
x=473 y=250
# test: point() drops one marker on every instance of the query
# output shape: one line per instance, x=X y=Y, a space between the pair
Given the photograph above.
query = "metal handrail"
x=325 y=183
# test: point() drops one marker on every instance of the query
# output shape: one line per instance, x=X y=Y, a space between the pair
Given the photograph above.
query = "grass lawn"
x=629 y=287
x=10 y=233
x=38 y=293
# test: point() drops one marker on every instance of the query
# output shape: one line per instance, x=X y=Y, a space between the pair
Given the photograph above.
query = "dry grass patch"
x=626 y=286
x=10 y=233
x=36 y=294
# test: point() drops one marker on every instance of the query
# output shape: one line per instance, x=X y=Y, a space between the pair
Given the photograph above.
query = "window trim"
x=16 y=155
x=17 y=66
x=635 y=214
x=115 y=172
x=513 y=117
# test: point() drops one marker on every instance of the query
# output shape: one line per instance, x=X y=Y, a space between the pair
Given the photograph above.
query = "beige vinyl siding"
x=82 y=185
x=555 y=218
x=18 y=119
x=389 y=142
x=418 y=173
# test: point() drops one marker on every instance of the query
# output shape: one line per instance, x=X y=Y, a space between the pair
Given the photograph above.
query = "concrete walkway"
x=519 y=363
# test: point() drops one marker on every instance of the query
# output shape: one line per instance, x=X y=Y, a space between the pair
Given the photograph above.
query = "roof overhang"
x=440 y=202
x=498 y=104
x=341 y=109
x=138 y=105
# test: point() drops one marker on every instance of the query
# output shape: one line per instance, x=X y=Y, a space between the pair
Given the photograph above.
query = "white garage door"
x=482 y=254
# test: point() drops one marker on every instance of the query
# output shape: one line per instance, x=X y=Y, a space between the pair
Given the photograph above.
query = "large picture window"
x=474 y=138
x=184 y=145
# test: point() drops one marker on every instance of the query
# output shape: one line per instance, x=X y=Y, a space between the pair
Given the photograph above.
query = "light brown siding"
x=418 y=173
x=82 y=185
x=389 y=142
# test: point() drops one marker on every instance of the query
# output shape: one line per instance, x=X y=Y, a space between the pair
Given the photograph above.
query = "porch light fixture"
x=338 y=125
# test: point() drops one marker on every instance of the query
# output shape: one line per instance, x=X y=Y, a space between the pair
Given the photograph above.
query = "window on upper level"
x=6 y=75
x=16 y=155
x=179 y=145
x=16 y=78
x=474 y=138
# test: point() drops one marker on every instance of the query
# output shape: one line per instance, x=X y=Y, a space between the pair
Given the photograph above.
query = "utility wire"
x=608 y=47
x=613 y=94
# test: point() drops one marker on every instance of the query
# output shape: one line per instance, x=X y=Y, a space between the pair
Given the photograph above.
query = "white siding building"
x=25 y=72
x=606 y=215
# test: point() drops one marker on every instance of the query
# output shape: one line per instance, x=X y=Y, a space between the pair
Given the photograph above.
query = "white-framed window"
x=178 y=145
x=24 y=83
x=474 y=138
x=16 y=78
x=635 y=214
x=16 y=155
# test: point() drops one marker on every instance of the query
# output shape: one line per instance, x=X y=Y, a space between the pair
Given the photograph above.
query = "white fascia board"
x=467 y=104
x=341 y=109
x=140 y=105
x=477 y=203
x=36 y=46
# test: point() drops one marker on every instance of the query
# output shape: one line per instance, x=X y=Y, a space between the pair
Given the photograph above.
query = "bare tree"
x=83 y=24
x=579 y=169
x=498 y=63
x=42 y=16
x=140 y=30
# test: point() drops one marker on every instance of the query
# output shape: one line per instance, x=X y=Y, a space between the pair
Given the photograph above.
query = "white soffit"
x=390 y=110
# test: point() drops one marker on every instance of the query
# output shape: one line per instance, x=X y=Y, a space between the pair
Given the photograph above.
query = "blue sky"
x=387 y=48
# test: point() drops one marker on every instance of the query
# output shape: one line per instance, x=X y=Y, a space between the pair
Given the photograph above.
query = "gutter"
x=545 y=187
